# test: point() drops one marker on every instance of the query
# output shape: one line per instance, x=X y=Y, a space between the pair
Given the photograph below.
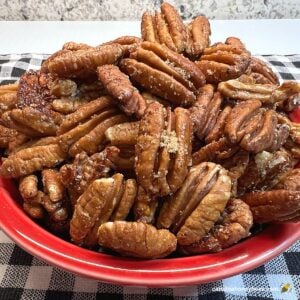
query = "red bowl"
x=240 y=258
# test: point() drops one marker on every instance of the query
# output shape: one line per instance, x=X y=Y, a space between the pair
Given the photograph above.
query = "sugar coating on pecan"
x=8 y=101
x=137 y=239
x=163 y=149
x=84 y=63
x=222 y=62
x=119 y=86
x=97 y=205
x=165 y=73
x=236 y=222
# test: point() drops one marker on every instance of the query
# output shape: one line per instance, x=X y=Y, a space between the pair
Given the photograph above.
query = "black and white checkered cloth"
x=25 y=277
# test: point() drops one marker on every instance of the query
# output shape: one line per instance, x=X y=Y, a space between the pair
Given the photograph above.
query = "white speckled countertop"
x=133 y=9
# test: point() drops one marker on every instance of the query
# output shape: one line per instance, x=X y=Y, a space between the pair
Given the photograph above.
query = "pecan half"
x=137 y=239
x=29 y=160
x=222 y=62
x=119 y=86
x=235 y=225
x=8 y=101
x=96 y=206
x=84 y=63
x=274 y=206
x=6 y=136
x=165 y=73
x=163 y=149
x=194 y=209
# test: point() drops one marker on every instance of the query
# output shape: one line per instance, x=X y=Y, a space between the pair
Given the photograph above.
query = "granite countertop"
x=133 y=9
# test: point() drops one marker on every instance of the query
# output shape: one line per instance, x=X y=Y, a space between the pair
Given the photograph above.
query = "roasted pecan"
x=6 y=136
x=274 y=206
x=255 y=129
x=198 y=32
x=163 y=149
x=73 y=46
x=294 y=128
x=222 y=62
x=8 y=88
x=84 y=63
x=205 y=110
x=8 y=101
x=85 y=169
x=137 y=239
x=94 y=118
x=165 y=73
x=145 y=207
x=119 y=86
x=96 y=206
x=235 y=225
x=194 y=209
x=29 y=160
x=261 y=72
x=123 y=134
x=264 y=171
x=123 y=159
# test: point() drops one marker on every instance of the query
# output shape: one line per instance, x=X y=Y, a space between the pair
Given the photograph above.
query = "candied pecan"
x=215 y=151
x=8 y=88
x=123 y=134
x=289 y=181
x=63 y=88
x=145 y=206
x=294 y=128
x=136 y=239
x=128 y=43
x=261 y=72
x=205 y=110
x=29 y=160
x=222 y=62
x=165 y=73
x=34 y=90
x=273 y=206
x=67 y=105
x=236 y=222
x=85 y=169
x=8 y=101
x=73 y=46
x=264 y=170
x=163 y=149
x=84 y=63
x=151 y=98
x=94 y=119
x=194 y=209
x=198 y=32
x=97 y=205
x=253 y=128
x=6 y=136
x=119 y=86
x=123 y=160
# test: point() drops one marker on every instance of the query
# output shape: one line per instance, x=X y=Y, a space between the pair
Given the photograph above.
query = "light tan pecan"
x=165 y=73
x=163 y=149
x=137 y=239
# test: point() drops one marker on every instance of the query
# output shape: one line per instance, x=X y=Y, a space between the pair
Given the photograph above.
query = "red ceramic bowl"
x=152 y=273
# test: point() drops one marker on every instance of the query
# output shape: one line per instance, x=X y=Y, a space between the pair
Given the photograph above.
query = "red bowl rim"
x=192 y=270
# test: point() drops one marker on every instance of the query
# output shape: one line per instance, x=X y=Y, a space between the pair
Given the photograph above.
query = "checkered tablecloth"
x=25 y=277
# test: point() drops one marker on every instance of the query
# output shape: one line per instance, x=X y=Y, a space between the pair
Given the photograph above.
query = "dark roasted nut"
x=97 y=205
x=119 y=86
x=274 y=206
x=294 y=128
x=195 y=208
x=145 y=206
x=136 y=239
x=235 y=225
x=84 y=63
x=289 y=181
x=222 y=62
x=29 y=160
x=123 y=160
x=205 y=110
x=165 y=73
x=264 y=171
x=255 y=129
x=261 y=72
x=198 y=32
x=85 y=169
x=163 y=149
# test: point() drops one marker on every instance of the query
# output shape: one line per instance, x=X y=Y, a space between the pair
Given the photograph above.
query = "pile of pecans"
x=147 y=146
